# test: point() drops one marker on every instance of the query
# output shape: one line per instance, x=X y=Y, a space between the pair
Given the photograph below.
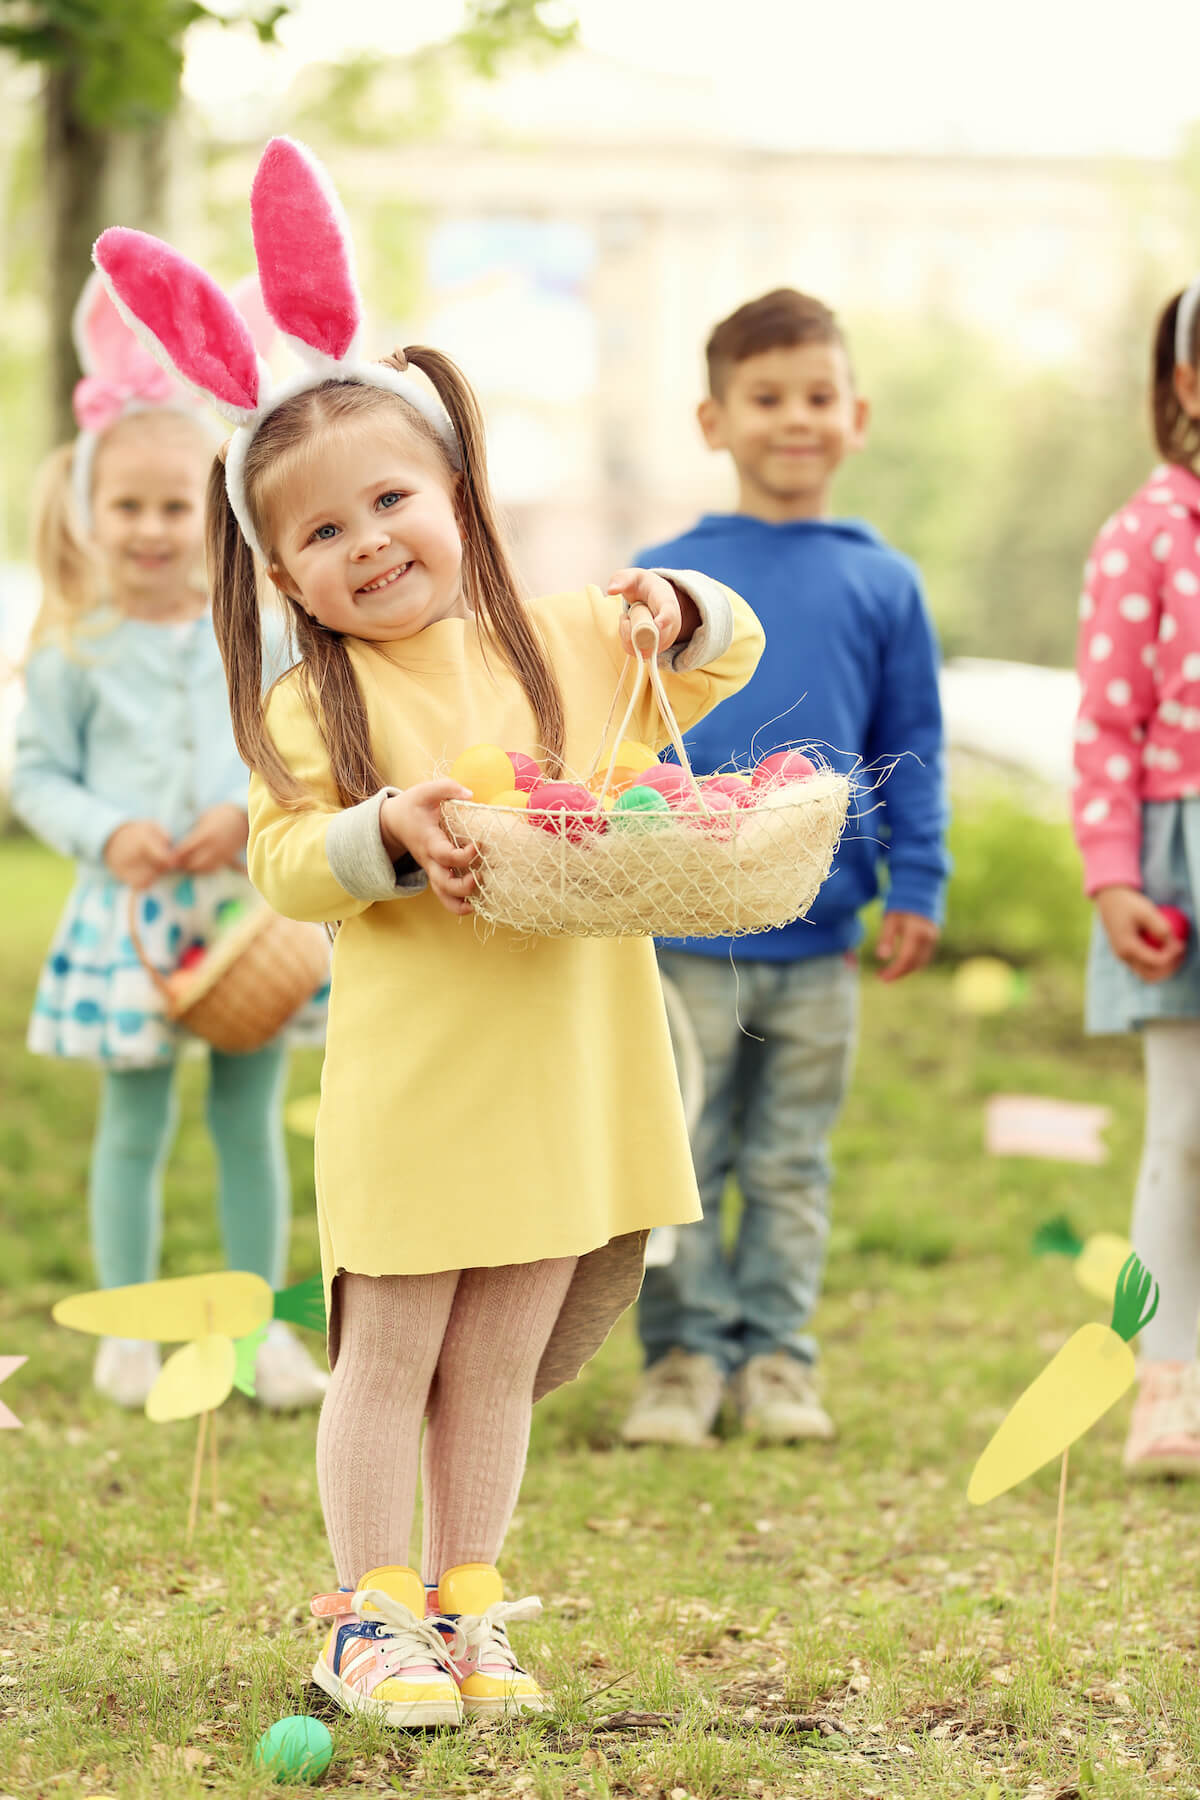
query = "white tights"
x=1166 y=1205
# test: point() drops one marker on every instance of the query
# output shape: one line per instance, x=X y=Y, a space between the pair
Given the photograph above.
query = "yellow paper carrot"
x=1098 y=1259
x=1087 y=1376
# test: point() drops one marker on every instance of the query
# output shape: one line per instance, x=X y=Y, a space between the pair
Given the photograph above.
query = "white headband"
x=1185 y=322
x=306 y=276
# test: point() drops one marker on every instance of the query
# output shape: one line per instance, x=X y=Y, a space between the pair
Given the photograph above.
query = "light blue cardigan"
x=131 y=724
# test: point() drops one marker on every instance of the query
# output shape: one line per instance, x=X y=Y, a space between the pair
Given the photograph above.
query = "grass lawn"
x=830 y=1621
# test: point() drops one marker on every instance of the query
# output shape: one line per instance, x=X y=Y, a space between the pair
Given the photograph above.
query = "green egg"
x=640 y=809
x=294 y=1749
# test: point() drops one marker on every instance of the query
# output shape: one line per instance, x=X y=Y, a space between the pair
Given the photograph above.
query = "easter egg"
x=565 y=806
x=1178 y=923
x=193 y=955
x=785 y=765
x=718 y=819
x=485 y=770
x=514 y=798
x=668 y=779
x=295 y=1749
x=632 y=755
x=527 y=773
x=640 y=809
x=737 y=787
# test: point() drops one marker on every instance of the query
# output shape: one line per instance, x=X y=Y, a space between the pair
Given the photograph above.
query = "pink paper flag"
x=1028 y=1125
x=8 y=1364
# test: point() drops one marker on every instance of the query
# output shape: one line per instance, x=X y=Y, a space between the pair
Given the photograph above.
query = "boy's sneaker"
x=1164 y=1433
x=677 y=1402
x=778 y=1402
x=382 y=1655
x=469 y=1609
x=285 y=1375
x=126 y=1369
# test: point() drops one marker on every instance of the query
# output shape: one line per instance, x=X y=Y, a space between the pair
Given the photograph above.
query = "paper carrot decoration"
x=1087 y=1376
x=1098 y=1259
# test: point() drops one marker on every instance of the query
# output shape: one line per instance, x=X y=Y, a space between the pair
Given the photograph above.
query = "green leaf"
x=246 y=1351
x=303 y=1304
x=1056 y=1238
x=1133 y=1308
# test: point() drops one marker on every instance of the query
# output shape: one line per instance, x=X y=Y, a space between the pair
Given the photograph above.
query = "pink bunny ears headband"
x=306 y=275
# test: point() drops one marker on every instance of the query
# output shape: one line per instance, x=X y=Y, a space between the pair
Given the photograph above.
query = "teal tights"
x=138 y=1117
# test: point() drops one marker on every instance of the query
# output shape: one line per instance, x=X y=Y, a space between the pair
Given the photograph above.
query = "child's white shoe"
x=125 y=1370
x=1164 y=1432
x=285 y=1375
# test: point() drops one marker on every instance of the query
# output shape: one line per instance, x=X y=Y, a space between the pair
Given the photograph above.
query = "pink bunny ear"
x=247 y=297
x=103 y=341
x=304 y=257
x=183 y=318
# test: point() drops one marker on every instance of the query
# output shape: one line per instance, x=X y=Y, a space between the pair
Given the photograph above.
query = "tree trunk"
x=76 y=164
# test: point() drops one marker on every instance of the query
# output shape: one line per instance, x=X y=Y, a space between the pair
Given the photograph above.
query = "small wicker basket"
x=700 y=873
x=247 y=987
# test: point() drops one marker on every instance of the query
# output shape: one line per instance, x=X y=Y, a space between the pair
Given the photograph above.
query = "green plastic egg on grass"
x=640 y=809
x=294 y=1749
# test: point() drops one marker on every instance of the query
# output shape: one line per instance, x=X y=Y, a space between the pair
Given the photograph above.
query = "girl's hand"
x=1125 y=913
x=410 y=824
x=676 y=615
x=138 y=853
x=906 y=942
x=216 y=841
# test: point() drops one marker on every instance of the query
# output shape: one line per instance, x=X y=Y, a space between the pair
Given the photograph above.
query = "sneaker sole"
x=418 y=1714
x=497 y=1707
x=679 y=1439
x=764 y=1434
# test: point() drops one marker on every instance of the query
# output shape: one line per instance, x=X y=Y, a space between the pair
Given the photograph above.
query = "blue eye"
x=391 y=498
x=325 y=532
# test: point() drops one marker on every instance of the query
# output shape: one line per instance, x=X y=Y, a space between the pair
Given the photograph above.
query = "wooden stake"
x=1058 y=1535
x=212 y=1445
x=197 y=1471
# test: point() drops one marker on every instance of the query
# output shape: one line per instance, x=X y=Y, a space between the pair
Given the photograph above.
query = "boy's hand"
x=139 y=852
x=1125 y=913
x=906 y=942
x=216 y=840
x=676 y=615
x=410 y=824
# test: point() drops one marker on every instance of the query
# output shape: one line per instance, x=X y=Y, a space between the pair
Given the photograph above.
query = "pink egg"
x=722 y=808
x=785 y=765
x=1178 y=923
x=667 y=779
x=528 y=775
x=738 y=790
x=564 y=805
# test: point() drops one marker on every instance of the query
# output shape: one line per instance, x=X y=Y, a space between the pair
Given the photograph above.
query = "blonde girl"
x=500 y=1122
x=126 y=762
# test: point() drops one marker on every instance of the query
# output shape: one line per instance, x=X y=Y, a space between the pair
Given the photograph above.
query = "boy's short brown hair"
x=777 y=321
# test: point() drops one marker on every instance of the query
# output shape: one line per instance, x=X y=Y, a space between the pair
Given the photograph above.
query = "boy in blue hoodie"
x=851 y=666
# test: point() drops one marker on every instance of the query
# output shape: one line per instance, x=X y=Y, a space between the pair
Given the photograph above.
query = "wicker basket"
x=248 y=985
x=701 y=873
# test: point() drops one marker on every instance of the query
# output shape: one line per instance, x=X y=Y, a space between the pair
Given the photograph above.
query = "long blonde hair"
x=331 y=686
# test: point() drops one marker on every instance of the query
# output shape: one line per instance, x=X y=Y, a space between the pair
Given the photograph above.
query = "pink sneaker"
x=383 y=1657
x=1164 y=1433
x=469 y=1609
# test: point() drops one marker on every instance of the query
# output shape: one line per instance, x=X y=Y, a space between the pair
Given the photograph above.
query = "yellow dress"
x=486 y=1099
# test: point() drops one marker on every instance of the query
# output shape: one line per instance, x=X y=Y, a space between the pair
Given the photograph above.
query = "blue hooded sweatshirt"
x=850 y=666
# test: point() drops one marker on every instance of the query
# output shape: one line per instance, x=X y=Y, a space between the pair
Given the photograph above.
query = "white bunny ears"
x=306 y=274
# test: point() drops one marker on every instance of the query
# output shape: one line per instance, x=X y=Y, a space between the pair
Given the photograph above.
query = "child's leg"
x=691 y=1303
x=803 y=1065
x=480 y=1409
x=245 y=1117
x=1166 y=1207
x=390 y=1336
x=133 y=1135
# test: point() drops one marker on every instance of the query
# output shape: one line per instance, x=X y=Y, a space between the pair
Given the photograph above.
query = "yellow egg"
x=635 y=756
x=514 y=797
x=486 y=770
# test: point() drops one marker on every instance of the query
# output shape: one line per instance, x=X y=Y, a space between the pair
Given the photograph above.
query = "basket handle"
x=644 y=632
x=135 y=938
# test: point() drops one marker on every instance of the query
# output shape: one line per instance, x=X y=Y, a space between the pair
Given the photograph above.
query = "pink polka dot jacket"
x=1137 y=736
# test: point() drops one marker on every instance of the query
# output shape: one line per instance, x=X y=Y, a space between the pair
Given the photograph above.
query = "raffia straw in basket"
x=248 y=985
x=684 y=874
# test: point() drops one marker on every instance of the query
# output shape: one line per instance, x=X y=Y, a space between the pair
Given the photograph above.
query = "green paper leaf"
x=246 y=1351
x=1056 y=1238
x=303 y=1304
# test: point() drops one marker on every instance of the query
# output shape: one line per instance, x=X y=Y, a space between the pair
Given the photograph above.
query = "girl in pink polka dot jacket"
x=1137 y=823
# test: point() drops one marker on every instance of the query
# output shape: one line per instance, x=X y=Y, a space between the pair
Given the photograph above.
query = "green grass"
x=813 y=1621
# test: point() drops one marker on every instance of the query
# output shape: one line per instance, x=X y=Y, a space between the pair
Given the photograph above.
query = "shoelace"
x=485 y=1631
x=411 y=1639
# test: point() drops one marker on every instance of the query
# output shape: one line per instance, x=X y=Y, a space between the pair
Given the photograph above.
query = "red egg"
x=721 y=810
x=785 y=765
x=669 y=780
x=526 y=771
x=566 y=805
x=738 y=790
x=1178 y=923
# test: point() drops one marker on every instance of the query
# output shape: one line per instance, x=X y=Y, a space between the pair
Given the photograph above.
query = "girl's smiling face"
x=365 y=535
x=147 y=507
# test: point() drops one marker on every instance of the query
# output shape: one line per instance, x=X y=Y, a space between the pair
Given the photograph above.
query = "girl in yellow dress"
x=500 y=1122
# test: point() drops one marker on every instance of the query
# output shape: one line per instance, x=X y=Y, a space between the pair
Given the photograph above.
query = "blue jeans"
x=770 y=1100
